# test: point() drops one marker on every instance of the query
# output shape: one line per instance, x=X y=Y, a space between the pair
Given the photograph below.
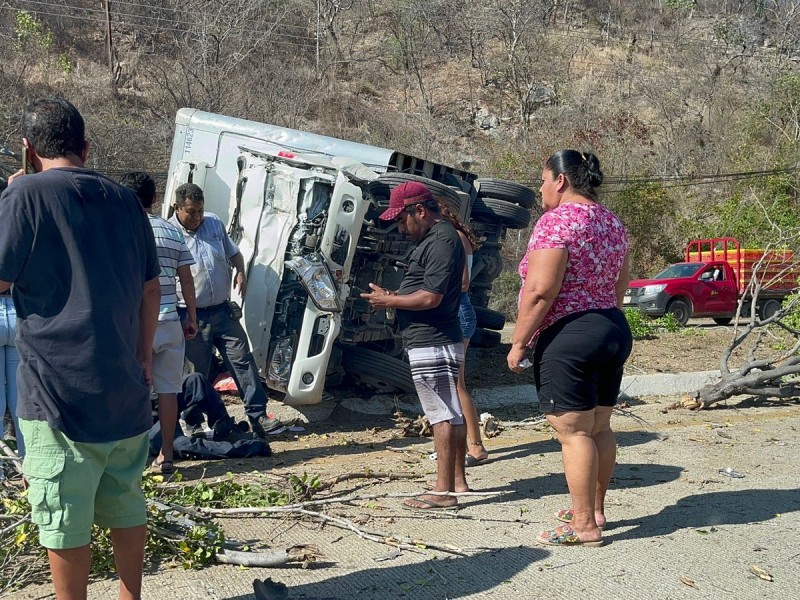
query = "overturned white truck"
x=303 y=210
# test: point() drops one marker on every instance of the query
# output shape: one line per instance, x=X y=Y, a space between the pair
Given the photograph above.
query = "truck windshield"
x=678 y=271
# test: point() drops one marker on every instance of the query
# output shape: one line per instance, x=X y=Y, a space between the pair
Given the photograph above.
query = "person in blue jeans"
x=9 y=361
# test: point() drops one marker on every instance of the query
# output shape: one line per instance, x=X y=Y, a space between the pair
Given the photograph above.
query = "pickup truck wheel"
x=680 y=310
x=377 y=370
x=506 y=190
x=723 y=320
x=485 y=338
x=490 y=319
x=768 y=308
x=510 y=215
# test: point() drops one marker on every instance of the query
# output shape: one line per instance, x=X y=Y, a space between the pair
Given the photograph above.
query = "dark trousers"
x=198 y=398
x=217 y=329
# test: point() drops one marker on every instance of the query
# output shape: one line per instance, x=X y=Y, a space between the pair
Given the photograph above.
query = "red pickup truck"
x=712 y=280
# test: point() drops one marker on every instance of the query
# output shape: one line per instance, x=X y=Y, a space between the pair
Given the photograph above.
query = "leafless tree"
x=768 y=369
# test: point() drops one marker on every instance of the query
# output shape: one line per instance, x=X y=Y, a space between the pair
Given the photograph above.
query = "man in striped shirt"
x=169 y=345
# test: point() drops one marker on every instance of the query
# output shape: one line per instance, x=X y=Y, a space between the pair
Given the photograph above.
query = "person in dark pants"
x=198 y=400
x=218 y=327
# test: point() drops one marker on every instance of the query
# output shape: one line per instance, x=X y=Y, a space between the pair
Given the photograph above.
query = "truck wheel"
x=723 y=320
x=490 y=319
x=377 y=370
x=506 y=190
x=680 y=310
x=382 y=187
x=510 y=215
x=768 y=308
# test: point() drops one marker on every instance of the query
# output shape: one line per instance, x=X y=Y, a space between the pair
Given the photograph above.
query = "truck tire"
x=376 y=370
x=723 y=320
x=500 y=211
x=485 y=338
x=506 y=190
x=681 y=310
x=382 y=187
x=768 y=308
x=489 y=319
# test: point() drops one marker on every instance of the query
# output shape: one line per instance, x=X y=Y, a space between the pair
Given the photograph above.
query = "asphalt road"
x=677 y=527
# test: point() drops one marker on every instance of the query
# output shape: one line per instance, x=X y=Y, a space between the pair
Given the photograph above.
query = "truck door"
x=715 y=291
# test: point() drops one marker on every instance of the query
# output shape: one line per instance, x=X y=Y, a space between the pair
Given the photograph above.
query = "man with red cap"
x=427 y=313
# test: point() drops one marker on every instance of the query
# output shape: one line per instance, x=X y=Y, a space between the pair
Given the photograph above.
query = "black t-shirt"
x=436 y=266
x=78 y=249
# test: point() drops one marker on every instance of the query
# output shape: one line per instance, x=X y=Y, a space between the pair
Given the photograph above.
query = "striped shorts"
x=435 y=374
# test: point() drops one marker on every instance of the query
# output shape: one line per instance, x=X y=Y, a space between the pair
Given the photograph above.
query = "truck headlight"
x=649 y=290
x=280 y=366
x=317 y=279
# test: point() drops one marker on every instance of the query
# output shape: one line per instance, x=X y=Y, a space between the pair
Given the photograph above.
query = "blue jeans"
x=9 y=361
x=217 y=329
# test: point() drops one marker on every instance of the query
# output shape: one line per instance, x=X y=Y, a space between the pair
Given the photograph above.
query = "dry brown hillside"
x=693 y=106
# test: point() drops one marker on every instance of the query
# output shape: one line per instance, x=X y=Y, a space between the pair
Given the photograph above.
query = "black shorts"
x=578 y=361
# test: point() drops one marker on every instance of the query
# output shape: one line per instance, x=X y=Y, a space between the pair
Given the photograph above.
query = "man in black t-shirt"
x=80 y=254
x=427 y=312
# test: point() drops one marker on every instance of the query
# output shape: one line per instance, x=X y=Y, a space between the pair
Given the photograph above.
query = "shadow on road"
x=626 y=475
x=434 y=579
x=712 y=509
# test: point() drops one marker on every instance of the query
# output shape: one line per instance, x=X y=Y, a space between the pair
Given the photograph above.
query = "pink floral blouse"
x=596 y=241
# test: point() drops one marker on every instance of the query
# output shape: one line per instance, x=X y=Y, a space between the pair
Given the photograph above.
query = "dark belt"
x=6 y=293
x=212 y=308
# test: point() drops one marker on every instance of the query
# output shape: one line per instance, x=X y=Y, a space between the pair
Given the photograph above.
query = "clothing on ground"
x=198 y=397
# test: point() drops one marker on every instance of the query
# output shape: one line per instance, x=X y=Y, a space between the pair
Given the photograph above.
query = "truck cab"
x=715 y=280
x=688 y=289
x=303 y=209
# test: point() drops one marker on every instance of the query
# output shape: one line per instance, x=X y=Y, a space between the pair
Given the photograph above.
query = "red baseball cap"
x=405 y=194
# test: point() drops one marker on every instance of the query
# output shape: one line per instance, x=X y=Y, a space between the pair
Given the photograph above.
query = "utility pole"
x=109 y=46
x=319 y=9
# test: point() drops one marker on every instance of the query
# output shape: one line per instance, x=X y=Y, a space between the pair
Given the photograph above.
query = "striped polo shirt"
x=172 y=253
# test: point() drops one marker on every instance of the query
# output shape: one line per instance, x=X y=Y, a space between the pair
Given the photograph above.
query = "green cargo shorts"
x=74 y=484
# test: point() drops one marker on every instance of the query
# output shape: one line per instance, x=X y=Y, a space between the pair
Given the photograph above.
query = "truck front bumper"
x=654 y=305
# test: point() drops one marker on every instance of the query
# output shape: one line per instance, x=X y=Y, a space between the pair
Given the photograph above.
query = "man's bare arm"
x=148 y=321
x=4 y=285
x=187 y=288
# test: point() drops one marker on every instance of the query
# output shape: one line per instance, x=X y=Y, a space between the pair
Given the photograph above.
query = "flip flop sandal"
x=564 y=536
x=565 y=516
x=165 y=467
x=471 y=461
x=429 y=507
x=431 y=483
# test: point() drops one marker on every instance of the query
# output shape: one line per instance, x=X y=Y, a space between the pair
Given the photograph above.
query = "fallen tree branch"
x=329 y=483
x=270 y=558
x=289 y=508
x=382 y=537
x=16 y=460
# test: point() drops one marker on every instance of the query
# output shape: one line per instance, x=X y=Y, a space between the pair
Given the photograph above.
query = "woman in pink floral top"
x=575 y=274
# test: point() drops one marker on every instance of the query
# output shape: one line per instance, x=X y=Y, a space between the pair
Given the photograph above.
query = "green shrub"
x=792 y=318
x=505 y=290
x=643 y=326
